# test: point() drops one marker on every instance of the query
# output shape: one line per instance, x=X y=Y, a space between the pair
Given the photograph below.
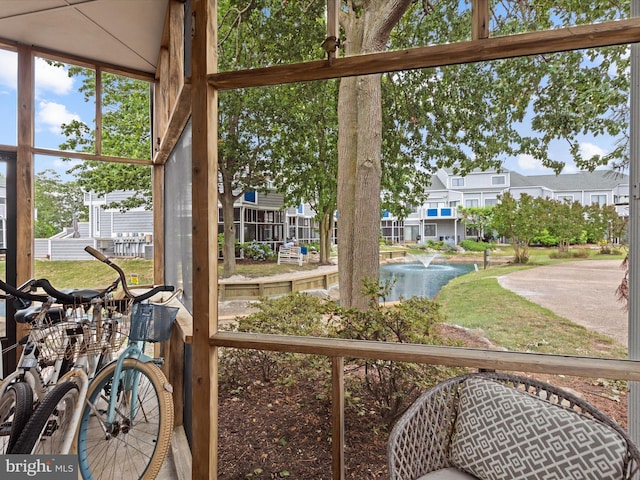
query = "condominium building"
x=438 y=218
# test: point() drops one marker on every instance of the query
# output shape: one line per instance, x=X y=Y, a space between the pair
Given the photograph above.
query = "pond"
x=422 y=278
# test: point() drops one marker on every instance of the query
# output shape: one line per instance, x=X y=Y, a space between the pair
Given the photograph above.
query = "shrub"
x=295 y=314
x=475 y=246
x=435 y=245
x=392 y=385
x=257 y=251
x=545 y=239
x=580 y=253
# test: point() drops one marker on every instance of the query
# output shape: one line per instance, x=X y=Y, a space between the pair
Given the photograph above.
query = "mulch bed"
x=271 y=430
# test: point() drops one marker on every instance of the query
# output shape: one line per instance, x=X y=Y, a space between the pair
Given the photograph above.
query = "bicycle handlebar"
x=123 y=280
x=71 y=298
x=21 y=294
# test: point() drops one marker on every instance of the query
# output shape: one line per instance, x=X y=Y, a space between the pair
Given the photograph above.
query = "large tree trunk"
x=326 y=224
x=359 y=152
x=229 y=249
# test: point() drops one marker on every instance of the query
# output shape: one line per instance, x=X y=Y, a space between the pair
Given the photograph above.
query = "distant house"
x=115 y=233
x=438 y=219
x=262 y=217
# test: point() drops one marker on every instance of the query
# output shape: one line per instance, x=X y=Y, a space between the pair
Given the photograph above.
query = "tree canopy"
x=57 y=203
x=126 y=133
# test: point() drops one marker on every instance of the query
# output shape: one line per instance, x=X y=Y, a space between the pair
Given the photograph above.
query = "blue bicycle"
x=127 y=421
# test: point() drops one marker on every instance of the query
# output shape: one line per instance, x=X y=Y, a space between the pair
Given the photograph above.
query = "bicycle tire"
x=136 y=447
x=16 y=406
x=50 y=422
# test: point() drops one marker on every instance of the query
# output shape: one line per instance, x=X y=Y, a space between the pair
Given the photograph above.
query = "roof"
x=436 y=184
x=596 y=180
x=121 y=33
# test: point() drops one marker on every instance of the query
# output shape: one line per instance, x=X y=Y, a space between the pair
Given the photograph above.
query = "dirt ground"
x=275 y=430
x=278 y=430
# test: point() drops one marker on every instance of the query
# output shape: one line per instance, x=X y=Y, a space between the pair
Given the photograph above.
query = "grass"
x=267 y=269
x=91 y=273
x=477 y=301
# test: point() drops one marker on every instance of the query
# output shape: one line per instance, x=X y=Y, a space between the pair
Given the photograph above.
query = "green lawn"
x=477 y=301
x=91 y=273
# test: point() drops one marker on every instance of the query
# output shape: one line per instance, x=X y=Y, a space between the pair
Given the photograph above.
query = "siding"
x=272 y=201
x=138 y=221
x=64 y=248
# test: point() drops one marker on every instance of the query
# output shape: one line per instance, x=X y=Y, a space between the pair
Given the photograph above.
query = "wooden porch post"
x=633 y=409
x=205 y=227
x=24 y=167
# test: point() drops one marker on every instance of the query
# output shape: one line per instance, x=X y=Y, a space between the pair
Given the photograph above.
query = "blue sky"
x=58 y=101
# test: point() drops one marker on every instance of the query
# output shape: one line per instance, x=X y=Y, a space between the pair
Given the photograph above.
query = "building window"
x=490 y=202
x=471 y=203
x=251 y=197
x=430 y=230
x=498 y=180
x=599 y=199
x=457 y=182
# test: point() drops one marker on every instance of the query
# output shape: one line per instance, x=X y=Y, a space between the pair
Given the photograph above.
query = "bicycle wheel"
x=15 y=409
x=135 y=445
x=50 y=423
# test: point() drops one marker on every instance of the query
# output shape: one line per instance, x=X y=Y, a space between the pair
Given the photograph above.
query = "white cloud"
x=570 y=168
x=65 y=164
x=588 y=150
x=50 y=78
x=528 y=162
x=52 y=115
x=8 y=69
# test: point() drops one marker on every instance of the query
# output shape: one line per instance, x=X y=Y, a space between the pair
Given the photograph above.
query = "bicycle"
x=79 y=347
x=127 y=421
x=48 y=354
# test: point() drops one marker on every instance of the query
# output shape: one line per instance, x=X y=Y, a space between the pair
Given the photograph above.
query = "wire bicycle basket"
x=90 y=328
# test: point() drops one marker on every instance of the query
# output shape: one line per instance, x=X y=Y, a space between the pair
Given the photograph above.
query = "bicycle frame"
x=133 y=350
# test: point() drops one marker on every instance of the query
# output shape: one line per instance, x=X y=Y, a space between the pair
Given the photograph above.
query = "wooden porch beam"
x=533 y=43
x=25 y=165
x=480 y=19
x=434 y=355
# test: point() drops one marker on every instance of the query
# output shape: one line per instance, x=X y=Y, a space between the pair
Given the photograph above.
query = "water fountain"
x=425 y=259
x=420 y=278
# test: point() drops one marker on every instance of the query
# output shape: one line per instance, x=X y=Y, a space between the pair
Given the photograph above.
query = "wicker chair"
x=422 y=441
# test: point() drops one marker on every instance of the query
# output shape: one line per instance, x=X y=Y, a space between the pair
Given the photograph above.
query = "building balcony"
x=441 y=212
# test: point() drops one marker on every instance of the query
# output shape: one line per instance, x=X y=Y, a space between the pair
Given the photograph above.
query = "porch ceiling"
x=123 y=33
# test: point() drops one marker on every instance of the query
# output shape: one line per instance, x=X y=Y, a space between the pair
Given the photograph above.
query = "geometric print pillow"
x=505 y=434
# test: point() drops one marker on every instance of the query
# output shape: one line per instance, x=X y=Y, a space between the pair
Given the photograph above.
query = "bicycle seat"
x=82 y=292
x=28 y=315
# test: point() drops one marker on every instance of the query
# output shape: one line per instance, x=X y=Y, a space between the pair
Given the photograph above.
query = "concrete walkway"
x=583 y=292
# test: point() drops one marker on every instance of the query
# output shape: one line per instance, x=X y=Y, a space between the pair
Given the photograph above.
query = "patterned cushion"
x=505 y=434
x=447 y=474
